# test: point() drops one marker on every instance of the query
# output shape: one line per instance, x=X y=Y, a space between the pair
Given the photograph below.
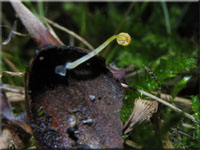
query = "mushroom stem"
x=72 y=65
x=123 y=39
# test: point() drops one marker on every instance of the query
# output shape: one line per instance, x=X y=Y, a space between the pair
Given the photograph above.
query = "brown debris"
x=120 y=73
x=34 y=26
x=10 y=140
x=14 y=132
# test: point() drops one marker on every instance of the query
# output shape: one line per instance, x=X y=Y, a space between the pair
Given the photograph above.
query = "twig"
x=189 y=126
x=70 y=32
x=133 y=144
x=15 y=97
x=167 y=104
x=12 y=88
x=10 y=64
x=53 y=33
x=10 y=35
x=163 y=102
x=132 y=74
x=180 y=100
x=18 y=74
x=183 y=133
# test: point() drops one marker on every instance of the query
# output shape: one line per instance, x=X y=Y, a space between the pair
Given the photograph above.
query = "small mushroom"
x=123 y=39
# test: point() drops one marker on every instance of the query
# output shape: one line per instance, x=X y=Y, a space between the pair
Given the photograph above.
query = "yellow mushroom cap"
x=123 y=39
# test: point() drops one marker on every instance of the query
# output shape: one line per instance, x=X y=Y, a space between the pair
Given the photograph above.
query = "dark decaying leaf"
x=15 y=131
x=81 y=109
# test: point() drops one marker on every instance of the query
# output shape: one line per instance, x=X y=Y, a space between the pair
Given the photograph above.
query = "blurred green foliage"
x=159 y=41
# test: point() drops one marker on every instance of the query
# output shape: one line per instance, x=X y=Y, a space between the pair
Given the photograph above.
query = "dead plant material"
x=12 y=88
x=10 y=34
x=143 y=109
x=18 y=74
x=15 y=97
x=184 y=102
x=120 y=73
x=14 y=131
x=86 y=43
x=34 y=26
x=167 y=104
x=133 y=144
x=10 y=140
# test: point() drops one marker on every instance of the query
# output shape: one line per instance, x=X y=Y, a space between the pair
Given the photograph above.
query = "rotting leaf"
x=60 y=109
x=15 y=131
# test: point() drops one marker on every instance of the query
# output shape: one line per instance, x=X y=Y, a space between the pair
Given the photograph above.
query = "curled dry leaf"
x=143 y=109
x=79 y=110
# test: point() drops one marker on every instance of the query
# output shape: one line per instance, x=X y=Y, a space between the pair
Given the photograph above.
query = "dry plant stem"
x=70 y=32
x=133 y=74
x=183 y=133
x=13 y=31
x=15 y=97
x=133 y=144
x=12 y=88
x=53 y=33
x=167 y=104
x=189 y=126
x=36 y=29
x=10 y=64
x=187 y=135
x=186 y=102
x=18 y=74
x=10 y=34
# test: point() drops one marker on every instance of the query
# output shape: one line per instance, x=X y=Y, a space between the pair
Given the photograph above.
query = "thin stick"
x=180 y=100
x=53 y=33
x=167 y=104
x=163 y=102
x=18 y=74
x=15 y=97
x=12 y=88
x=86 y=43
x=10 y=64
